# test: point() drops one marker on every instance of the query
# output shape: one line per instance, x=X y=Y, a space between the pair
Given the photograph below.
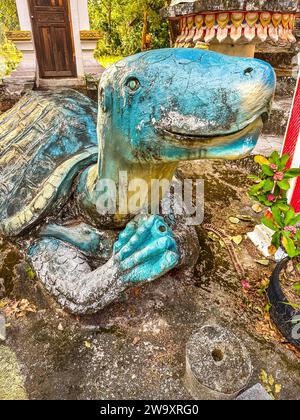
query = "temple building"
x=56 y=43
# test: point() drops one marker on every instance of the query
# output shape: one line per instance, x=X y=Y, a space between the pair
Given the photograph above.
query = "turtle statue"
x=155 y=109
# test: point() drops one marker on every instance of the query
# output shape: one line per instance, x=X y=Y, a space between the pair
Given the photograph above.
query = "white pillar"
x=75 y=15
x=88 y=42
x=28 y=62
x=84 y=15
x=24 y=15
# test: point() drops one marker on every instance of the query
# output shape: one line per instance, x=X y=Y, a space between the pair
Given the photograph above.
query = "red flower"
x=246 y=285
x=292 y=229
x=273 y=166
x=278 y=176
x=271 y=197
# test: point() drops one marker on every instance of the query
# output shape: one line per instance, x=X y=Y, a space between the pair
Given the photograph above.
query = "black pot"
x=281 y=313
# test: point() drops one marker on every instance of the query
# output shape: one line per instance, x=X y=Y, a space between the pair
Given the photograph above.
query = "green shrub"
x=271 y=187
x=9 y=54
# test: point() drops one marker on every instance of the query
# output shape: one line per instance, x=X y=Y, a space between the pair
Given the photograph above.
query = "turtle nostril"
x=248 y=71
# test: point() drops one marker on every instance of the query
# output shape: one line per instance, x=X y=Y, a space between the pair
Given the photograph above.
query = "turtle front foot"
x=146 y=250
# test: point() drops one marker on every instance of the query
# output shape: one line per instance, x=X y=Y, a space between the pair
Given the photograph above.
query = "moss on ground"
x=11 y=382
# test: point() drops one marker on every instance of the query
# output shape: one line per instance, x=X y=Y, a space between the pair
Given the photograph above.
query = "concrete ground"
x=135 y=349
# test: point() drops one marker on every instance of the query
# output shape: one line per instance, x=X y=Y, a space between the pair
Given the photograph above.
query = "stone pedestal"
x=218 y=366
x=234 y=50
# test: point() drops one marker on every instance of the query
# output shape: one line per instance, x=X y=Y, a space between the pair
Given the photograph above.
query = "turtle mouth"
x=194 y=140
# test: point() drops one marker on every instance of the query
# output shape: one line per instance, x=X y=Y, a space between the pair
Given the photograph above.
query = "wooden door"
x=53 y=38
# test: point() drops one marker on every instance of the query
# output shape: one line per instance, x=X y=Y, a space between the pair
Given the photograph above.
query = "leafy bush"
x=8 y=15
x=271 y=187
x=121 y=25
x=9 y=54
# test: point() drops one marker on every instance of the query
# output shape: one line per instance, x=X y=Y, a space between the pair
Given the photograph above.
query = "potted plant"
x=270 y=189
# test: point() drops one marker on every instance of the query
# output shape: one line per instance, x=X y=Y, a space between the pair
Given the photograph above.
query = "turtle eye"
x=133 y=84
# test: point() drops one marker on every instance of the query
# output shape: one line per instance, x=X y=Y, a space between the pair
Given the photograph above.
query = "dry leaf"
x=264 y=376
x=278 y=388
x=257 y=208
x=263 y=262
x=272 y=250
x=213 y=236
x=237 y=239
x=88 y=345
x=245 y=218
x=271 y=380
x=19 y=309
x=136 y=340
x=234 y=220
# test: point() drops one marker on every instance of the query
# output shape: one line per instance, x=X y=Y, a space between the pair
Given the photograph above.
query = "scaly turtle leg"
x=86 y=238
x=145 y=251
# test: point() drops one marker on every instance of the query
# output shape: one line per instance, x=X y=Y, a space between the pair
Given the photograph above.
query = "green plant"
x=121 y=23
x=271 y=188
x=9 y=54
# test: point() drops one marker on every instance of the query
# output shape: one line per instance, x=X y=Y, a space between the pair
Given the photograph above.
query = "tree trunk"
x=145 y=29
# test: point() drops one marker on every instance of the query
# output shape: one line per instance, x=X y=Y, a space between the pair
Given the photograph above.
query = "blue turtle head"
x=178 y=104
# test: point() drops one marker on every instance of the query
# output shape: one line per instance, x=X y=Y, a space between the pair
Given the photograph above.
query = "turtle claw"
x=146 y=250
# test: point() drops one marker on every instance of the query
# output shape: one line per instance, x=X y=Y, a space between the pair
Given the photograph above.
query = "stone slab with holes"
x=218 y=366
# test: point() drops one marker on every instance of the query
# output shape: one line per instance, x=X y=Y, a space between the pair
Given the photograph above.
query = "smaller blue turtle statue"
x=156 y=109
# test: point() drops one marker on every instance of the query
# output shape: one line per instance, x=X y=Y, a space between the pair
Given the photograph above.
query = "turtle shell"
x=46 y=139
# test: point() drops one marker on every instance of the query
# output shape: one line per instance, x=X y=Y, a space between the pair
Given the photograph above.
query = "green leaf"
x=269 y=184
x=254 y=177
x=295 y=220
x=283 y=207
x=274 y=157
x=268 y=222
x=284 y=160
x=277 y=216
x=297 y=288
x=254 y=190
x=268 y=203
x=267 y=170
x=290 y=214
x=284 y=185
x=276 y=240
x=292 y=173
x=289 y=246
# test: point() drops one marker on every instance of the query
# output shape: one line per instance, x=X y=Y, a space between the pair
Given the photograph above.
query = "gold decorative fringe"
x=235 y=26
